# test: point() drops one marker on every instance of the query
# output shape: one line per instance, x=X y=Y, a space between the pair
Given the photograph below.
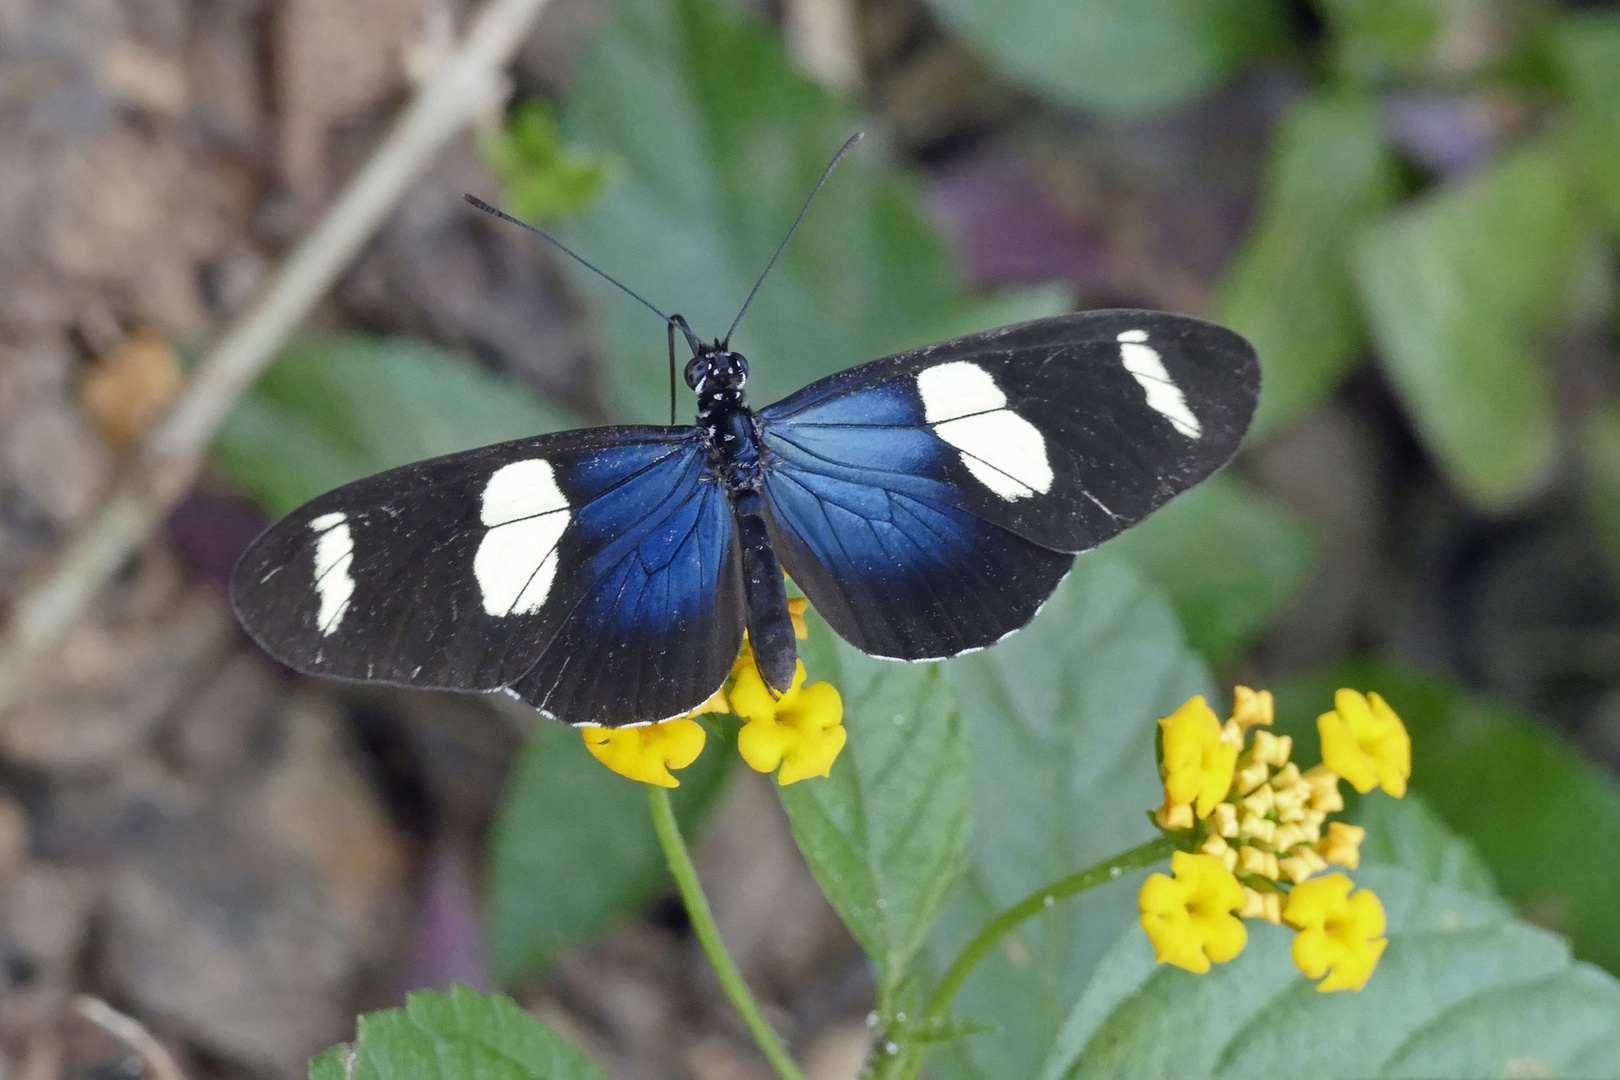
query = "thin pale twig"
x=132 y=1033
x=168 y=460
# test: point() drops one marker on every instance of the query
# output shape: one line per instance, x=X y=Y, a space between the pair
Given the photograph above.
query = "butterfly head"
x=717 y=372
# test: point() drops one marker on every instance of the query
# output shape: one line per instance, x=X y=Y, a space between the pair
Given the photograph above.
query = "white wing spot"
x=1003 y=451
x=1163 y=395
x=334 y=555
x=527 y=514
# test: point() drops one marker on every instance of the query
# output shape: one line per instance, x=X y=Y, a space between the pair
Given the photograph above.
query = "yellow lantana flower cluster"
x=801 y=733
x=1257 y=835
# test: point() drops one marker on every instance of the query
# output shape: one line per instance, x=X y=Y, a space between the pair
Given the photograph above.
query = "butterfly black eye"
x=697 y=369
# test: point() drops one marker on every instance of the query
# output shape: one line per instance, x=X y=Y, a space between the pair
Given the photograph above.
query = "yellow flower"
x=796 y=608
x=1190 y=918
x=647 y=753
x=1198 y=763
x=1342 y=844
x=1340 y=936
x=801 y=731
x=1364 y=742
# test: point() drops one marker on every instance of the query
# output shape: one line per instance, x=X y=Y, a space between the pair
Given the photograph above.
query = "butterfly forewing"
x=594 y=574
x=928 y=502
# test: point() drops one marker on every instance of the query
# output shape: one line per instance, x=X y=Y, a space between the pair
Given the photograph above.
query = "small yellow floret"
x=801 y=731
x=1342 y=845
x=1224 y=821
x=1272 y=749
x=1251 y=860
x=1261 y=905
x=1366 y=743
x=1254 y=827
x=1174 y=816
x=649 y=752
x=1251 y=708
x=1295 y=868
x=1252 y=776
x=1189 y=918
x=1197 y=764
x=1340 y=936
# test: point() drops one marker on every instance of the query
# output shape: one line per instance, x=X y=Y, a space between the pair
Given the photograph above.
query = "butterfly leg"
x=770 y=627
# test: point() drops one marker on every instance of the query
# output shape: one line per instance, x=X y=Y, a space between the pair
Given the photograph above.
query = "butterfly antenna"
x=842 y=153
x=691 y=338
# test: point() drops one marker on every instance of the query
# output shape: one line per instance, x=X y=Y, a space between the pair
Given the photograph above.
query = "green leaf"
x=720 y=142
x=455 y=1036
x=1061 y=719
x=1120 y=60
x=1585 y=50
x=1463 y=990
x=1406 y=833
x=543 y=178
x=1545 y=820
x=886 y=833
x=1459 y=288
x=1229 y=558
x=335 y=409
x=1288 y=289
x=572 y=849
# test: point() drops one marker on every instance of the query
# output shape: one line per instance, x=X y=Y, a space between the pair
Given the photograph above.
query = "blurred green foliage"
x=1289 y=289
x=1118 y=59
x=572 y=850
x=543 y=178
x=335 y=409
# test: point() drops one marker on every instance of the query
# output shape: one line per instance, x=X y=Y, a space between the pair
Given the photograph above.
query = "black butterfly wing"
x=928 y=503
x=594 y=574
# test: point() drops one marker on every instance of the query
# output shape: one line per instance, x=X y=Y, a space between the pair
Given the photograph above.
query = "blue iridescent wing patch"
x=928 y=503
x=593 y=574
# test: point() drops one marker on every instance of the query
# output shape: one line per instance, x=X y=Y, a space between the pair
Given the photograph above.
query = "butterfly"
x=926 y=503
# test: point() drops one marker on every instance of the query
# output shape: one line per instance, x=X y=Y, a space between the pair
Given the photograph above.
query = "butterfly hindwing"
x=929 y=502
x=592 y=573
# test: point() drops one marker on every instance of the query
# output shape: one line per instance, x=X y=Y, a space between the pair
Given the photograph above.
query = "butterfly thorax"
x=730 y=437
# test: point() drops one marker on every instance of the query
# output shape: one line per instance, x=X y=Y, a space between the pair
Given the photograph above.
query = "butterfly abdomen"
x=770 y=628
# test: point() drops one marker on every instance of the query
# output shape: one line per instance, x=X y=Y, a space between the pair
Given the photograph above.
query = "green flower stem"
x=1032 y=905
x=708 y=935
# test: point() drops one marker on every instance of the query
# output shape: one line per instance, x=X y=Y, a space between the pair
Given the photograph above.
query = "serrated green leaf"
x=572 y=849
x=1545 y=820
x=1406 y=833
x=720 y=142
x=456 y=1036
x=1463 y=990
x=1288 y=289
x=1061 y=719
x=1120 y=60
x=1229 y=558
x=886 y=833
x=1459 y=287
x=1585 y=50
x=331 y=1064
x=336 y=409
